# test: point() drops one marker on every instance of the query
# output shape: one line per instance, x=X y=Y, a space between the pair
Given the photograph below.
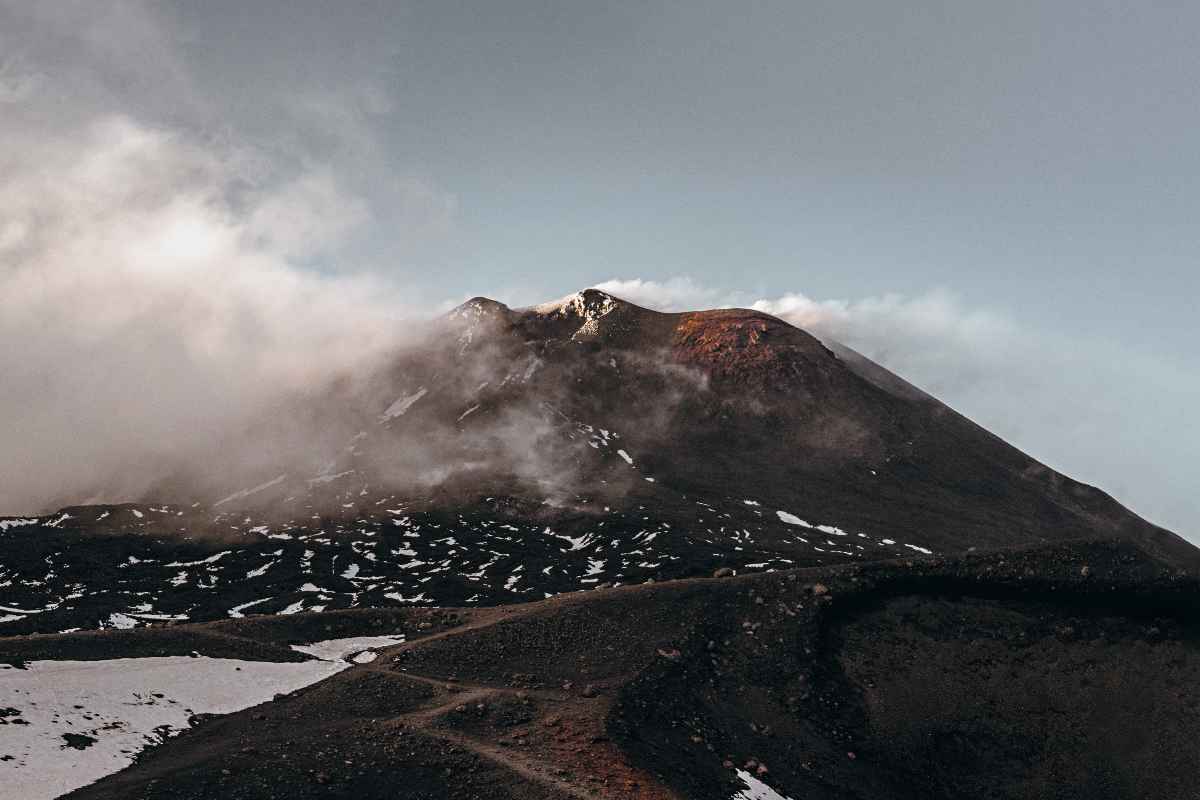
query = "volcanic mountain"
x=510 y=454
x=896 y=564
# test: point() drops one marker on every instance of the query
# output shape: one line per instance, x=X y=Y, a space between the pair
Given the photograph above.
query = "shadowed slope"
x=998 y=676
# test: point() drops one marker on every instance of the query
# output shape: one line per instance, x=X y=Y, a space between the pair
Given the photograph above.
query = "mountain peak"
x=589 y=303
x=478 y=307
x=586 y=312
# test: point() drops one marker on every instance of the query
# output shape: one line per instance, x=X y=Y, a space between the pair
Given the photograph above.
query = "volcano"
x=624 y=553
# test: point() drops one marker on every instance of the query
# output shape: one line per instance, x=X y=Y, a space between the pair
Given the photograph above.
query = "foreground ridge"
x=815 y=683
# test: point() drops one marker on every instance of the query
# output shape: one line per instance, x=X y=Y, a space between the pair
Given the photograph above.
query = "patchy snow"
x=468 y=412
x=257 y=573
x=210 y=560
x=919 y=549
x=244 y=493
x=122 y=621
x=12 y=610
x=400 y=598
x=403 y=404
x=161 y=617
x=347 y=649
x=236 y=611
x=577 y=542
x=116 y=708
x=756 y=789
x=792 y=519
x=577 y=303
x=625 y=456
x=5 y=524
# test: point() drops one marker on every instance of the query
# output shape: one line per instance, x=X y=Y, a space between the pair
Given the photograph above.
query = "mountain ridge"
x=586 y=549
x=516 y=453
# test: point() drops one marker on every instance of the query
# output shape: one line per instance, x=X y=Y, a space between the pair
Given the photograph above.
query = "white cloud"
x=671 y=295
x=162 y=282
x=146 y=315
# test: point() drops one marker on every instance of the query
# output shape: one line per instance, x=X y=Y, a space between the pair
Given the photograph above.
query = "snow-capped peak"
x=590 y=304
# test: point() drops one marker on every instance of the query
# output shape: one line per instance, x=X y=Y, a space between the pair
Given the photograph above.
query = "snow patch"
x=122 y=706
x=792 y=519
x=210 y=560
x=403 y=404
x=756 y=789
x=236 y=611
x=342 y=649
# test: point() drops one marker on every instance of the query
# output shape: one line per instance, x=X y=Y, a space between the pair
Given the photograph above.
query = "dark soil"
x=1058 y=672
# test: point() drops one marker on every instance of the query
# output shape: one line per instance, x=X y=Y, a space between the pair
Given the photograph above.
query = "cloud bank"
x=1106 y=414
x=162 y=284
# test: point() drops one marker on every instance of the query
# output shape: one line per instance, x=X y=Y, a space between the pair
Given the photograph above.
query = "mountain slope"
x=1058 y=671
x=510 y=454
x=729 y=402
x=909 y=607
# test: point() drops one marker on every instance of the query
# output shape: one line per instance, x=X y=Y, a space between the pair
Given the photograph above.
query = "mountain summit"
x=509 y=454
x=804 y=578
x=744 y=402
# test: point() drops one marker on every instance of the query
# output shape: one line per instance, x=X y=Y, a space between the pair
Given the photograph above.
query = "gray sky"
x=997 y=200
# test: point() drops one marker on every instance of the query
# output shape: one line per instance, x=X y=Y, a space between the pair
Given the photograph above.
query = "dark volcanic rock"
x=957 y=679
